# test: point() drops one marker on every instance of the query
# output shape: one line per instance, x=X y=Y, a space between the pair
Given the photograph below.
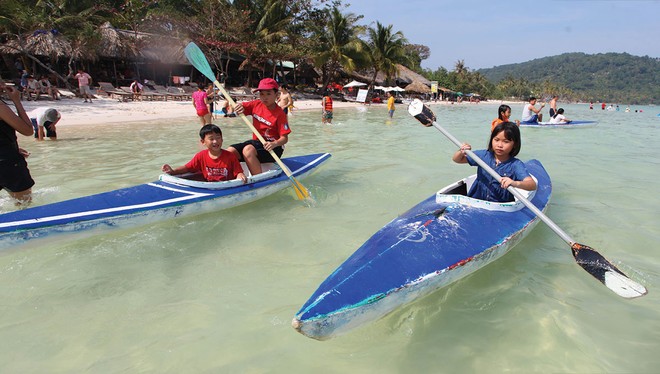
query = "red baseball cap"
x=267 y=84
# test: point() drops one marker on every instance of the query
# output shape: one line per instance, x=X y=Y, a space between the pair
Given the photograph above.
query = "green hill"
x=609 y=77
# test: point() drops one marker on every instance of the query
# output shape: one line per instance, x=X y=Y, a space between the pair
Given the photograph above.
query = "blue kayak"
x=165 y=198
x=437 y=242
x=572 y=124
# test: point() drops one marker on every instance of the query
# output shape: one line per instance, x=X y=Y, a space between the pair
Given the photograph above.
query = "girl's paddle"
x=199 y=61
x=585 y=256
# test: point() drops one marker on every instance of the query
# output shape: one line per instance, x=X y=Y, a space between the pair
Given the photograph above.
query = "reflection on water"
x=216 y=292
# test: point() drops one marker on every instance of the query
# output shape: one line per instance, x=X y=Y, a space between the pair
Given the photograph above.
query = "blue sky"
x=487 y=33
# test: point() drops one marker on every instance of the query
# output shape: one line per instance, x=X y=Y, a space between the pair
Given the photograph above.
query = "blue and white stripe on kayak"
x=188 y=196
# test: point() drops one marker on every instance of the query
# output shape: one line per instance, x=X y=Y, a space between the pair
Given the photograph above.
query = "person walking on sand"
x=390 y=104
x=530 y=113
x=285 y=100
x=84 y=81
x=14 y=173
x=270 y=121
x=326 y=103
x=200 y=101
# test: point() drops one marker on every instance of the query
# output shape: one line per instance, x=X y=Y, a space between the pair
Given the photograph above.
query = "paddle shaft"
x=511 y=189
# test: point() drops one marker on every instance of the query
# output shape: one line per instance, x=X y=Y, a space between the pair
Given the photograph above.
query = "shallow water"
x=217 y=292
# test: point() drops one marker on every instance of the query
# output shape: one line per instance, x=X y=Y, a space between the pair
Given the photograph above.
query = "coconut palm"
x=339 y=46
x=386 y=49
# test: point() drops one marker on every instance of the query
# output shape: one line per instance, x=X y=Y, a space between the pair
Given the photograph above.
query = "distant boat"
x=572 y=124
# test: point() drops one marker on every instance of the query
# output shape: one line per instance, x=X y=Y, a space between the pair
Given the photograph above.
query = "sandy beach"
x=108 y=111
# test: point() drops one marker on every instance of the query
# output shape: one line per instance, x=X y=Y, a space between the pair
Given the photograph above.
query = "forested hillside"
x=609 y=77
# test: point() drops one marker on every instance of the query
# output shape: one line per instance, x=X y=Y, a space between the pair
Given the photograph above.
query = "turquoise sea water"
x=216 y=293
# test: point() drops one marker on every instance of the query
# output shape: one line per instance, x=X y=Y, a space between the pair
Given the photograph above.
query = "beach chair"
x=154 y=94
x=165 y=91
x=110 y=90
x=177 y=93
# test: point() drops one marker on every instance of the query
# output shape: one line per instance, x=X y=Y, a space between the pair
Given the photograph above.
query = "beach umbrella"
x=354 y=84
x=418 y=87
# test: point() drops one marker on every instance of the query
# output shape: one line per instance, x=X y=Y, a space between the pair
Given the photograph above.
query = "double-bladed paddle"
x=585 y=256
x=199 y=61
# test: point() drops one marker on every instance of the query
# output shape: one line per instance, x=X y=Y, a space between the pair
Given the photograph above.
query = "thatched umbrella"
x=418 y=87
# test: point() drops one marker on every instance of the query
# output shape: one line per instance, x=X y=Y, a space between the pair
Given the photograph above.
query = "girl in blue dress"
x=503 y=147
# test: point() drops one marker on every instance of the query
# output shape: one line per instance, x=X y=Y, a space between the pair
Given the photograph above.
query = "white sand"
x=107 y=111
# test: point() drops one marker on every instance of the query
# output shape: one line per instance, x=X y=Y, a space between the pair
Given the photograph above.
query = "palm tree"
x=269 y=21
x=339 y=46
x=387 y=49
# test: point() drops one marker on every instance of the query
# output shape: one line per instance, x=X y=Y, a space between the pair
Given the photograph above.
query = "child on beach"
x=200 y=101
x=270 y=121
x=559 y=117
x=14 y=173
x=503 y=147
x=503 y=115
x=215 y=163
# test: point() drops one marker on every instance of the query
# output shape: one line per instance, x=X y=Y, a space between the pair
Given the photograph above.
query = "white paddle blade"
x=420 y=111
x=622 y=285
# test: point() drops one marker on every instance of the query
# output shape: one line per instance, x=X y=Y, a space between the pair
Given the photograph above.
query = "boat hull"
x=571 y=125
x=140 y=205
x=430 y=246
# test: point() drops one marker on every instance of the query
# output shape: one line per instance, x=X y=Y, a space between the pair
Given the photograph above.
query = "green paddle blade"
x=198 y=60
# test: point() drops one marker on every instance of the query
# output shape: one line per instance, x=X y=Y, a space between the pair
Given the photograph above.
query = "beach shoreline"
x=106 y=111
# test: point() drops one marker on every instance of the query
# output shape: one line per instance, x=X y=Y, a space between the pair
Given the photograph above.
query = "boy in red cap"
x=271 y=122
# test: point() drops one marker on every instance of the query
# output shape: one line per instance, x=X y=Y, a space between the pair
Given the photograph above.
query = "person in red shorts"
x=215 y=163
x=271 y=122
x=200 y=101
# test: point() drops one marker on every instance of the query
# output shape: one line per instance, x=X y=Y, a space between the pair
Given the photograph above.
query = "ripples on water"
x=216 y=292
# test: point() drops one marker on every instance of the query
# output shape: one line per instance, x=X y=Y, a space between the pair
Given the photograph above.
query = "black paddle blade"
x=423 y=113
x=606 y=273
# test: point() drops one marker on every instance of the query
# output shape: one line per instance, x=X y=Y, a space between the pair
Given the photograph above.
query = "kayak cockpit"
x=269 y=170
x=456 y=193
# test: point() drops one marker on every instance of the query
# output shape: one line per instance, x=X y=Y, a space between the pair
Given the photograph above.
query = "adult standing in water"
x=553 y=105
x=14 y=173
x=285 y=100
x=390 y=104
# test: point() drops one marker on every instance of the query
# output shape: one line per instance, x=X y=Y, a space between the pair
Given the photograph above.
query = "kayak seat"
x=448 y=195
x=184 y=180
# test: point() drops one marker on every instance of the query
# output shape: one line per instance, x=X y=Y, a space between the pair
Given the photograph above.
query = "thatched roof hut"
x=40 y=43
x=418 y=87
x=115 y=44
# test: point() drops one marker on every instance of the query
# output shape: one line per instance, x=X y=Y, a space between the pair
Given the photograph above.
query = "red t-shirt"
x=225 y=167
x=271 y=123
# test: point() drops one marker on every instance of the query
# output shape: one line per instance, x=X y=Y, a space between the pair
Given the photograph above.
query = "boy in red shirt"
x=215 y=163
x=271 y=122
